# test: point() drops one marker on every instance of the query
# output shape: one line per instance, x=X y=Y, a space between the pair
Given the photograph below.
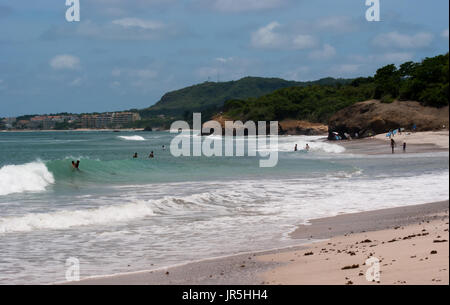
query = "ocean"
x=119 y=214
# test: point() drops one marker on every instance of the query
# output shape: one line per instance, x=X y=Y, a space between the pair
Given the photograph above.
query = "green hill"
x=209 y=97
x=426 y=82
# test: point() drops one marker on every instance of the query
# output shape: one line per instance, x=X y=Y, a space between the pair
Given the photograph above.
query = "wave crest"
x=29 y=177
x=131 y=138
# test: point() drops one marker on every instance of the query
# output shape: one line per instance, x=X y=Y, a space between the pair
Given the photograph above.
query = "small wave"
x=67 y=219
x=30 y=177
x=131 y=138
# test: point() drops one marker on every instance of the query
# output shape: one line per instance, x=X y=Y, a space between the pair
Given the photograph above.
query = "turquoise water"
x=119 y=214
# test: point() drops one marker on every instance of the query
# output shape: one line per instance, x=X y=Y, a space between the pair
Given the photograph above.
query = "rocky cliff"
x=374 y=117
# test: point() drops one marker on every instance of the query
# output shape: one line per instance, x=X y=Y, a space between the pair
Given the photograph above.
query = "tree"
x=387 y=81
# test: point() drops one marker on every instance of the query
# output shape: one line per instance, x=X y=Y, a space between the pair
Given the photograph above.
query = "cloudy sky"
x=127 y=53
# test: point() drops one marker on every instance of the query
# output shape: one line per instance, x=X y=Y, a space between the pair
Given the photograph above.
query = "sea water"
x=119 y=214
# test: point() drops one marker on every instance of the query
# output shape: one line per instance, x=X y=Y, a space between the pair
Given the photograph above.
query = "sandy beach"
x=411 y=244
x=417 y=142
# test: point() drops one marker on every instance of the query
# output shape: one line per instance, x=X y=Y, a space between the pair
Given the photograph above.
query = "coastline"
x=295 y=265
x=342 y=246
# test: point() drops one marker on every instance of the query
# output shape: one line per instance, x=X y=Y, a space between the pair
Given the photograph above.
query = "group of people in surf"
x=151 y=155
x=307 y=148
x=76 y=165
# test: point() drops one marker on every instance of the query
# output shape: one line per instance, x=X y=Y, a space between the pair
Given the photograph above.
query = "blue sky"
x=127 y=53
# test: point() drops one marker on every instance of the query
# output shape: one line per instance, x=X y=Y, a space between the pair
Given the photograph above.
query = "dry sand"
x=418 y=142
x=438 y=138
x=417 y=253
x=403 y=243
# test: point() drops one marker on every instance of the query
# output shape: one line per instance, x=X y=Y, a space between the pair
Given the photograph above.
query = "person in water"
x=151 y=156
x=307 y=147
x=164 y=147
x=392 y=145
x=296 y=148
x=76 y=165
x=135 y=156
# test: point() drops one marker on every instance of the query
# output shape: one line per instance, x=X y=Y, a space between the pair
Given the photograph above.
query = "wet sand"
x=394 y=238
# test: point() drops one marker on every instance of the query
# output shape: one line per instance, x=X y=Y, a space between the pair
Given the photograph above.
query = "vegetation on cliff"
x=426 y=82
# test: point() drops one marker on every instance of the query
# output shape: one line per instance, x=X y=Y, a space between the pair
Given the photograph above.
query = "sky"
x=126 y=54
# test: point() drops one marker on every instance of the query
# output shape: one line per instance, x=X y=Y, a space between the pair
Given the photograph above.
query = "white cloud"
x=76 y=82
x=116 y=72
x=346 y=68
x=326 y=52
x=383 y=58
x=336 y=23
x=445 y=33
x=139 y=23
x=271 y=37
x=243 y=5
x=395 y=57
x=297 y=74
x=403 y=41
x=65 y=62
x=224 y=60
x=267 y=37
x=2 y=84
x=302 y=42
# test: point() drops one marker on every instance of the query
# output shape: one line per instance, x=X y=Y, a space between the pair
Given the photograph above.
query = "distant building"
x=8 y=122
x=121 y=119
x=108 y=120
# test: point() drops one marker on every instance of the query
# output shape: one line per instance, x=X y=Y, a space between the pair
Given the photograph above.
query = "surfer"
x=392 y=145
x=151 y=156
x=307 y=148
x=135 y=156
x=296 y=148
x=76 y=165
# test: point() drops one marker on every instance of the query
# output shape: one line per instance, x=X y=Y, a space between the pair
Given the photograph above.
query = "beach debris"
x=433 y=252
x=354 y=266
x=309 y=253
x=366 y=241
x=440 y=241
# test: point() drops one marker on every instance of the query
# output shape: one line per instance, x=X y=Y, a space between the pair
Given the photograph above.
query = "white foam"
x=66 y=219
x=316 y=144
x=30 y=177
x=132 y=138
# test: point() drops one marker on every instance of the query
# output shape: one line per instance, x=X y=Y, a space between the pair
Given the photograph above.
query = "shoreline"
x=418 y=142
x=277 y=265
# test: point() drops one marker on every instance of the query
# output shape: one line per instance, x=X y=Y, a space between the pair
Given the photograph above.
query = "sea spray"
x=131 y=138
x=30 y=177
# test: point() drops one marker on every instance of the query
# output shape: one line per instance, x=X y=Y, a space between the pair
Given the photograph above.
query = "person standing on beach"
x=404 y=146
x=392 y=145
